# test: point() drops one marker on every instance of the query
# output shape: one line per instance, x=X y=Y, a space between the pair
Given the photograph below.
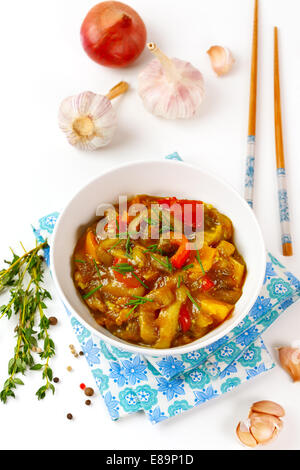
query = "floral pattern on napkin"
x=163 y=387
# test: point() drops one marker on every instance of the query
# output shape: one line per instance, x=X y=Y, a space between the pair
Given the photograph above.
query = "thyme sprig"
x=24 y=278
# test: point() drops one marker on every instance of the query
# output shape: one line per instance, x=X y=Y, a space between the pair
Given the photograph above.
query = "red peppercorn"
x=82 y=386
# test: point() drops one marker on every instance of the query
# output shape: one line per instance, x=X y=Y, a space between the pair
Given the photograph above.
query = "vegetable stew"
x=155 y=290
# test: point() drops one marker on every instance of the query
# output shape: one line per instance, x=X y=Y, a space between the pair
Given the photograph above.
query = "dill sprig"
x=24 y=279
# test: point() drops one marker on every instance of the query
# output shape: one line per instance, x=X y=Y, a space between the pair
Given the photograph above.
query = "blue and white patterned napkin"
x=163 y=387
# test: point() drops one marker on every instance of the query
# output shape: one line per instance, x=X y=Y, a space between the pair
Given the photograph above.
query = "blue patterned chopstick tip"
x=284 y=213
x=249 y=177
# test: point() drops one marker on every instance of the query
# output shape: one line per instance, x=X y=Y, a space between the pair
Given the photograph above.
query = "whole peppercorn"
x=69 y=416
x=56 y=380
x=53 y=321
x=89 y=392
x=81 y=353
x=88 y=402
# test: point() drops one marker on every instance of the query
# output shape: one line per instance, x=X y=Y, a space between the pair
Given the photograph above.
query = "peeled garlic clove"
x=170 y=88
x=88 y=119
x=221 y=59
x=290 y=360
x=268 y=407
x=244 y=435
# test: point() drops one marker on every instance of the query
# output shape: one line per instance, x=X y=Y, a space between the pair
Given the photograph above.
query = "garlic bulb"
x=263 y=424
x=170 y=88
x=221 y=59
x=89 y=120
x=289 y=358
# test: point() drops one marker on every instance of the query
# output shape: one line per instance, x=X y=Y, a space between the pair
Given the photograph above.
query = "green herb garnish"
x=188 y=266
x=97 y=269
x=24 y=279
x=193 y=300
x=136 y=302
x=199 y=261
x=115 y=244
x=124 y=268
x=153 y=249
x=86 y=296
x=179 y=281
x=79 y=261
x=166 y=264
x=140 y=281
x=128 y=247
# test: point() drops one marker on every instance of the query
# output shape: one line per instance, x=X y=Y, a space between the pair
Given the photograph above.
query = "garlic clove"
x=268 y=407
x=289 y=358
x=270 y=420
x=262 y=432
x=88 y=119
x=221 y=59
x=244 y=435
x=170 y=88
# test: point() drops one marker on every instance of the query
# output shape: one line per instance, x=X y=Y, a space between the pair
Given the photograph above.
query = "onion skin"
x=113 y=34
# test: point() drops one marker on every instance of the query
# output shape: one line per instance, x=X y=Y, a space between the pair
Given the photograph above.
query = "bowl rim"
x=144 y=350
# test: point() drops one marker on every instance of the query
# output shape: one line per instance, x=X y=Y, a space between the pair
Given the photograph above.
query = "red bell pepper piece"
x=182 y=254
x=184 y=319
x=189 y=210
x=206 y=283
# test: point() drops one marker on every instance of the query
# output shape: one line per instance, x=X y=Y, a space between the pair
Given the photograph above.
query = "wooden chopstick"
x=249 y=180
x=286 y=240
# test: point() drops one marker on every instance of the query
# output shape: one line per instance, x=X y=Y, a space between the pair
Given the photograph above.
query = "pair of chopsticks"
x=286 y=240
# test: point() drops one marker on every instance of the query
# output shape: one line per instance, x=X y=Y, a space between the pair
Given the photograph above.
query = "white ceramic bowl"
x=164 y=178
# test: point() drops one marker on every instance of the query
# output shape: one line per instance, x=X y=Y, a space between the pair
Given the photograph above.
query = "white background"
x=42 y=62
